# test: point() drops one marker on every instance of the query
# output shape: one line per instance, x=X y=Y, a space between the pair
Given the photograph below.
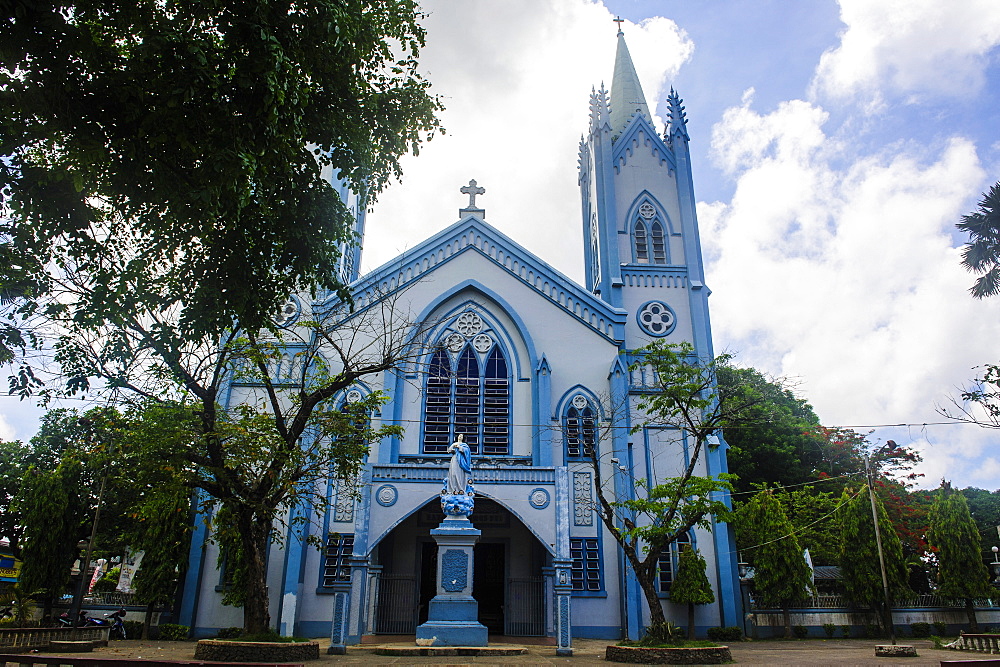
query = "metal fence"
x=916 y=602
x=524 y=613
x=396 y=604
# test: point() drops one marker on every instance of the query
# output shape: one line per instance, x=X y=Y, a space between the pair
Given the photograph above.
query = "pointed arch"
x=641 y=243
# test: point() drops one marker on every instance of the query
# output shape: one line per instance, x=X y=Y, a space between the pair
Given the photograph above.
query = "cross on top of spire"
x=619 y=20
x=472 y=190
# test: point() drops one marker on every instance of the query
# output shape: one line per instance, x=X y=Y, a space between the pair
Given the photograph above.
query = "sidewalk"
x=591 y=652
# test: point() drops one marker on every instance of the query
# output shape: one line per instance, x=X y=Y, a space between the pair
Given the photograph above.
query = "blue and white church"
x=520 y=360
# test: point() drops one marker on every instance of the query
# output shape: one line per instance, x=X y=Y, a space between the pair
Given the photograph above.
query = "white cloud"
x=909 y=47
x=516 y=79
x=838 y=270
x=6 y=430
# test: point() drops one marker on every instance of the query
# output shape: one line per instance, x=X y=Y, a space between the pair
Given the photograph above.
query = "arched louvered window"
x=659 y=247
x=471 y=397
x=437 y=403
x=580 y=432
x=641 y=243
x=669 y=557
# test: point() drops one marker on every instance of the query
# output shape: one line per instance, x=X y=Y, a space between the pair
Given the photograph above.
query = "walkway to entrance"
x=591 y=652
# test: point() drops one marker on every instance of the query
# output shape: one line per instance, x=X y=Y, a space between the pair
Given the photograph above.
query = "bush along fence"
x=831 y=616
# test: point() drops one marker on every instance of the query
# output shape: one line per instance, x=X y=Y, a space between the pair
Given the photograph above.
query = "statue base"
x=452 y=615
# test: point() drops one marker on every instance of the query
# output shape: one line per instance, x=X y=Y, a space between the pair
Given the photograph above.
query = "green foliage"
x=230 y=633
x=940 y=628
x=776 y=442
x=781 y=574
x=859 y=559
x=691 y=586
x=109 y=581
x=955 y=537
x=173 y=632
x=133 y=629
x=872 y=631
x=800 y=631
x=982 y=253
x=662 y=633
x=845 y=630
x=730 y=633
x=984 y=507
x=829 y=629
x=920 y=629
x=49 y=505
x=231 y=113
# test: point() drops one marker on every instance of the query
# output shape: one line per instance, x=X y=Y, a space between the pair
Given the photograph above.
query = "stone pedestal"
x=452 y=617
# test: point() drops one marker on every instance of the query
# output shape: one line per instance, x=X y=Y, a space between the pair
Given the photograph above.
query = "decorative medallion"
x=482 y=343
x=539 y=499
x=455 y=342
x=386 y=495
x=469 y=324
x=647 y=211
x=288 y=313
x=579 y=401
x=656 y=318
x=353 y=396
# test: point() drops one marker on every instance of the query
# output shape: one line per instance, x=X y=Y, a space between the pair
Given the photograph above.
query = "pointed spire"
x=626 y=92
x=677 y=122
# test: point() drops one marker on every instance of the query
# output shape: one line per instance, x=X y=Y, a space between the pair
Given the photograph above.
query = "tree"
x=682 y=393
x=984 y=506
x=50 y=507
x=982 y=253
x=196 y=139
x=775 y=443
x=954 y=536
x=781 y=574
x=859 y=557
x=980 y=403
x=691 y=586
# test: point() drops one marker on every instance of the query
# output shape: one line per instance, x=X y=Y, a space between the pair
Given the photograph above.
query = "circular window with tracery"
x=656 y=318
x=647 y=211
x=469 y=324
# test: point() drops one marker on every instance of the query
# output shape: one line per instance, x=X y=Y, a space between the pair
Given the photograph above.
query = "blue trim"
x=661 y=213
x=192 y=579
x=623 y=144
x=541 y=409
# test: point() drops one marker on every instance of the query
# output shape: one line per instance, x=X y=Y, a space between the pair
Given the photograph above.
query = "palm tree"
x=982 y=253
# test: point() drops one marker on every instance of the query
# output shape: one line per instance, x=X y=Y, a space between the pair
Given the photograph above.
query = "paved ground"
x=591 y=652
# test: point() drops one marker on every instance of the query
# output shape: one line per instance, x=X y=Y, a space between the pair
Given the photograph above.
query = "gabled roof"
x=639 y=135
x=475 y=235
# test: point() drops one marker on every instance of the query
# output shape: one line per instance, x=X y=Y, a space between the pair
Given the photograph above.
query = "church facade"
x=521 y=361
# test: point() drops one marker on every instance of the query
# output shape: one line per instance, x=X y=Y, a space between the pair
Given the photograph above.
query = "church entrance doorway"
x=507 y=573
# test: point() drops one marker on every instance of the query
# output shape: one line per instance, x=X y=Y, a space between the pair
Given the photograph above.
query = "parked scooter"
x=117 y=621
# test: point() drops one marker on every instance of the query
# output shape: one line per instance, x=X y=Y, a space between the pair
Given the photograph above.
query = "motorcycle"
x=117 y=621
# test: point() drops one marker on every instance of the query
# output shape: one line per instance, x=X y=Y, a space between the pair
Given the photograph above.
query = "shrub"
x=173 y=632
x=230 y=633
x=938 y=642
x=871 y=631
x=940 y=628
x=109 y=581
x=920 y=629
x=6 y=622
x=846 y=630
x=801 y=631
x=731 y=633
x=662 y=633
x=133 y=629
x=829 y=629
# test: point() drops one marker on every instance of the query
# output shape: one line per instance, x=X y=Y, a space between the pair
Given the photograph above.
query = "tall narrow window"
x=472 y=398
x=437 y=403
x=336 y=563
x=580 y=432
x=585 y=572
x=659 y=247
x=468 y=398
x=641 y=243
x=496 y=405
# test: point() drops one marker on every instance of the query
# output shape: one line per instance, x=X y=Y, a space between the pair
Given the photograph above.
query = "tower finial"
x=619 y=20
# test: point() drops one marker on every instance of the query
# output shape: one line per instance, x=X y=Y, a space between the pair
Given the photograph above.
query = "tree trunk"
x=648 y=585
x=690 y=620
x=970 y=610
x=786 y=612
x=253 y=537
x=147 y=621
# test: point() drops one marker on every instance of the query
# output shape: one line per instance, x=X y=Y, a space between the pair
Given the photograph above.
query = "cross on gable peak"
x=472 y=189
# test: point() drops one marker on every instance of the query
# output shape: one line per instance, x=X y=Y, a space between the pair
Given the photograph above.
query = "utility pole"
x=881 y=556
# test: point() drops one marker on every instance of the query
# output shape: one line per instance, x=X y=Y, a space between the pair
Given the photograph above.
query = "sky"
x=834 y=146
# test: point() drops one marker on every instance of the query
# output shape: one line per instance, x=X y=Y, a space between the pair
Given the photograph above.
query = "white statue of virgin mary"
x=460 y=470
